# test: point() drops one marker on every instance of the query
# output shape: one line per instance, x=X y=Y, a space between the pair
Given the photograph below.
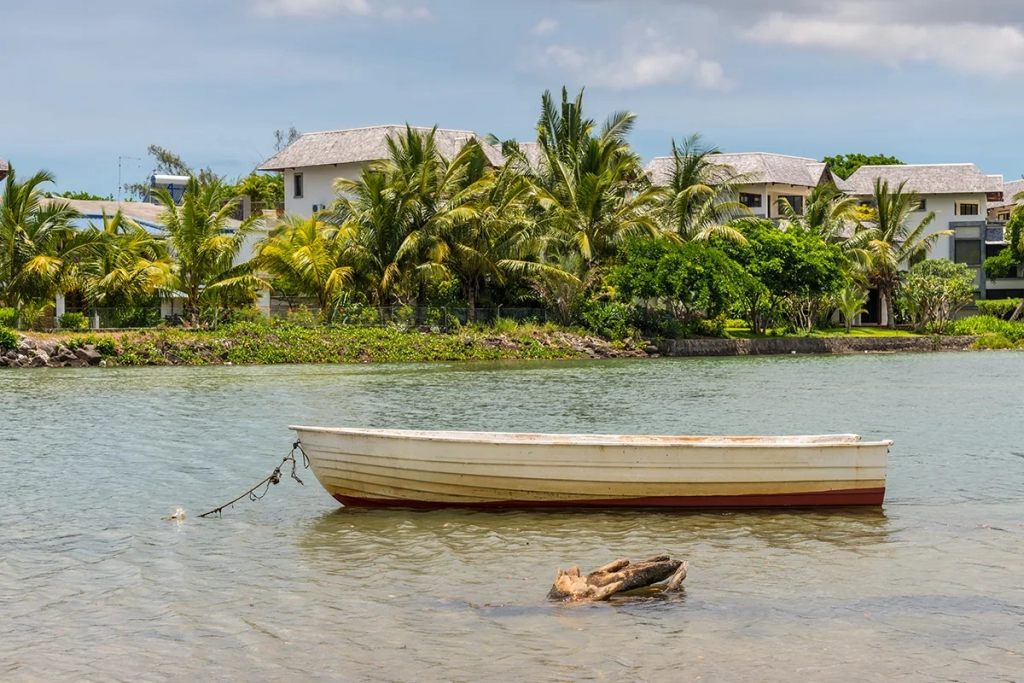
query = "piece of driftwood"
x=618 y=577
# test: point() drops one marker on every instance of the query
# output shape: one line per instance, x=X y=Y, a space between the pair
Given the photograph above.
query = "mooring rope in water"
x=273 y=480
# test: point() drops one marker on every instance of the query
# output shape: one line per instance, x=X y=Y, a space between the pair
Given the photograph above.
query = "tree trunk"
x=890 y=315
x=1017 y=312
x=618 y=577
x=471 y=288
x=421 y=302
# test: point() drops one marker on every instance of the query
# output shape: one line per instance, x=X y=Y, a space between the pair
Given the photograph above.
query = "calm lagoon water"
x=95 y=587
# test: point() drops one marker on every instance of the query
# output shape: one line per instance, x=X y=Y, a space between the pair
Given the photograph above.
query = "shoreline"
x=254 y=345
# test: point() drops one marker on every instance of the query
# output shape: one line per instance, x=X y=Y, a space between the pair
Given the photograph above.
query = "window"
x=795 y=201
x=968 y=251
x=1004 y=216
x=751 y=201
x=298 y=186
x=922 y=205
x=967 y=209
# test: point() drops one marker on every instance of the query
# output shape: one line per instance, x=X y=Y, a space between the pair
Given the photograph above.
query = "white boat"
x=384 y=467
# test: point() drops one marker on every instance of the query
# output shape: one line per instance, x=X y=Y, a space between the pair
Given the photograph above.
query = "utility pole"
x=119 y=162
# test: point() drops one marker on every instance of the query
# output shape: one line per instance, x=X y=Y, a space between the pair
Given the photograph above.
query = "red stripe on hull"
x=841 y=498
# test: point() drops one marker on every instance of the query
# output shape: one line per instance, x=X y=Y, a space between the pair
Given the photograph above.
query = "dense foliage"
x=845 y=165
x=935 y=290
x=999 y=308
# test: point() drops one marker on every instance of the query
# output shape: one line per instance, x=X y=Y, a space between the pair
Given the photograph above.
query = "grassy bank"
x=857 y=332
x=261 y=344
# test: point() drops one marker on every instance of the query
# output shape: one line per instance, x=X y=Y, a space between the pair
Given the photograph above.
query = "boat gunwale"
x=605 y=440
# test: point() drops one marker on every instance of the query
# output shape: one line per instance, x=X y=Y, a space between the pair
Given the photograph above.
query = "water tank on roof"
x=175 y=184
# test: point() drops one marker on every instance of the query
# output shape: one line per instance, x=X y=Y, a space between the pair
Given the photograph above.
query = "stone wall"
x=803 y=345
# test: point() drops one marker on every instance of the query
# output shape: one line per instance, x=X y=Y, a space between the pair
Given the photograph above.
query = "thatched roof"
x=925 y=179
x=761 y=167
x=4 y=167
x=362 y=145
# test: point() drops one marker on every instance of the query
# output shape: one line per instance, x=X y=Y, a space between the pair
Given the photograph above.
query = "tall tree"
x=484 y=242
x=40 y=250
x=890 y=242
x=203 y=246
x=308 y=256
x=701 y=198
x=828 y=213
x=127 y=265
x=590 y=184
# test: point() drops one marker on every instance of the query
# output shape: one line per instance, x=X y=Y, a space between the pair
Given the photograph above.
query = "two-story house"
x=312 y=163
x=958 y=194
x=768 y=178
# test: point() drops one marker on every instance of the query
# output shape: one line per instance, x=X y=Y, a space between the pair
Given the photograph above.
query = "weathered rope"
x=273 y=480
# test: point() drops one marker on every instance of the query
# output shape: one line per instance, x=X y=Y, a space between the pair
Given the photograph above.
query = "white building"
x=771 y=178
x=958 y=194
x=312 y=163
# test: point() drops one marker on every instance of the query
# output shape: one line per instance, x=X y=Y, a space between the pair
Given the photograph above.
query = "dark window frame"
x=751 y=200
x=975 y=208
x=298 y=186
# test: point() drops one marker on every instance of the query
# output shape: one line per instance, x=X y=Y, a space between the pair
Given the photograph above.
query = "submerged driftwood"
x=618 y=577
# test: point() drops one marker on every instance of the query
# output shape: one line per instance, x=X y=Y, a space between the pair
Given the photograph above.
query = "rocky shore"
x=245 y=346
x=255 y=345
x=49 y=354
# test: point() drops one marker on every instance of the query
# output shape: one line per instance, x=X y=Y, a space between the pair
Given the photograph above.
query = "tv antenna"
x=120 y=160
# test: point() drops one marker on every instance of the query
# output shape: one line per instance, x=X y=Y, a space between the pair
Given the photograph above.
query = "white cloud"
x=987 y=50
x=544 y=27
x=405 y=13
x=638 y=65
x=322 y=8
x=308 y=8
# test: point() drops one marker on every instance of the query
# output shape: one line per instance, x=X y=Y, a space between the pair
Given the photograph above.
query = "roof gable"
x=364 y=145
x=925 y=179
x=760 y=167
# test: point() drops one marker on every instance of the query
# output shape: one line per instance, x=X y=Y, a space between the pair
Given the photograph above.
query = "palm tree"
x=590 y=184
x=496 y=231
x=890 y=243
x=850 y=302
x=40 y=249
x=307 y=255
x=400 y=212
x=127 y=264
x=204 y=248
x=828 y=213
x=700 y=202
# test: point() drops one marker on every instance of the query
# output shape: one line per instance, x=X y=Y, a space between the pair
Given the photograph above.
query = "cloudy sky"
x=83 y=83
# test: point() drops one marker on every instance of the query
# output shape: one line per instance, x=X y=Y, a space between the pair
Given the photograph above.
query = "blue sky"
x=925 y=80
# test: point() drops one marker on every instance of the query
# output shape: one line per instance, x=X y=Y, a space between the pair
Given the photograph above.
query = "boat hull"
x=430 y=470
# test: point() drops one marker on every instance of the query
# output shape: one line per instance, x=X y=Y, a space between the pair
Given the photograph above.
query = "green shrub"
x=8 y=340
x=977 y=325
x=106 y=346
x=73 y=321
x=9 y=318
x=505 y=325
x=999 y=308
x=611 y=321
x=994 y=342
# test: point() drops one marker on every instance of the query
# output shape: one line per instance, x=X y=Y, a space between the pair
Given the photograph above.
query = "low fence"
x=441 y=317
x=435 y=317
